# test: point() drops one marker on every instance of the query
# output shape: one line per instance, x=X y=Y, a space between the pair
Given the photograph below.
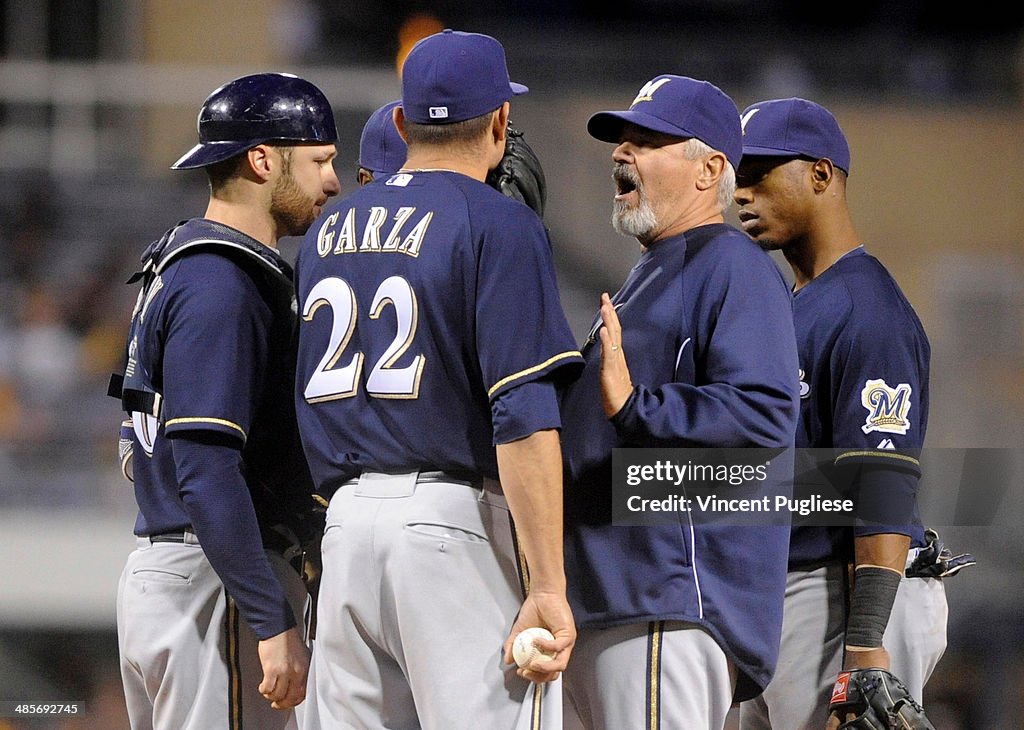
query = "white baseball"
x=525 y=651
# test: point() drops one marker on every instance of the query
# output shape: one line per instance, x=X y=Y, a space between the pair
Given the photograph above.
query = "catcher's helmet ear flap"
x=255 y=109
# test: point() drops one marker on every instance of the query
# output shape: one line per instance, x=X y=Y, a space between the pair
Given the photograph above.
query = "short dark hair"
x=442 y=134
x=220 y=173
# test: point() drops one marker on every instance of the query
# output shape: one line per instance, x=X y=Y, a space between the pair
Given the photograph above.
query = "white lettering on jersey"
x=347 y=235
x=325 y=238
x=344 y=237
x=805 y=388
x=411 y=244
x=145 y=427
x=391 y=243
x=371 y=234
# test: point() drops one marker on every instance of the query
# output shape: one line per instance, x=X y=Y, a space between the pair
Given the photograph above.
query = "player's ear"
x=499 y=122
x=711 y=171
x=260 y=163
x=822 y=173
x=399 y=118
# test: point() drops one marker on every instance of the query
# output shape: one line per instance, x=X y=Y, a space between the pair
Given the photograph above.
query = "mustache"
x=623 y=173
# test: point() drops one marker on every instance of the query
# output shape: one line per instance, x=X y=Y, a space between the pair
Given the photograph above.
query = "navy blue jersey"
x=211 y=360
x=864 y=359
x=423 y=299
x=708 y=336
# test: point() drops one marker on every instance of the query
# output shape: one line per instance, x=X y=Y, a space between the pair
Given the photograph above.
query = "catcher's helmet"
x=255 y=109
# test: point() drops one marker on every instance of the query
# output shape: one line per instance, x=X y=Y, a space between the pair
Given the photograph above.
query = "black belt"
x=272 y=540
x=465 y=478
x=178 y=537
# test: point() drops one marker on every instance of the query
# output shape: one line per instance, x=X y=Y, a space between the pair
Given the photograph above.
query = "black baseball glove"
x=936 y=560
x=519 y=175
x=877 y=700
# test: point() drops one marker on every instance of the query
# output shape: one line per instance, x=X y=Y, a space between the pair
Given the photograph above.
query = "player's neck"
x=809 y=261
x=827 y=240
x=243 y=218
x=470 y=168
x=470 y=159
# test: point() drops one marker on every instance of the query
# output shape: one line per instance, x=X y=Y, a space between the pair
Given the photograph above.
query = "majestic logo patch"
x=887 y=407
x=399 y=179
x=805 y=388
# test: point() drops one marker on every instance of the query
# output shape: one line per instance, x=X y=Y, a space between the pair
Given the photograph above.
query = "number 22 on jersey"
x=329 y=382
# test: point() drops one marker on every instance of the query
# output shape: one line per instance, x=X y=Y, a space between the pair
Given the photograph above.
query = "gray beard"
x=636 y=221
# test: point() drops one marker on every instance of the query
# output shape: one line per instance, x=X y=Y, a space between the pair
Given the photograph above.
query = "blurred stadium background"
x=98 y=97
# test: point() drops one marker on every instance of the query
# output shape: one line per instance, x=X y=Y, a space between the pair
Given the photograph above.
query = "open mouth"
x=624 y=185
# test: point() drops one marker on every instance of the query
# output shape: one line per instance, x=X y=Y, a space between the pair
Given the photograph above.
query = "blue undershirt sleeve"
x=222 y=514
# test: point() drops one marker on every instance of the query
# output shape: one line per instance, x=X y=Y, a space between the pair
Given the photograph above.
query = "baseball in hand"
x=523 y=649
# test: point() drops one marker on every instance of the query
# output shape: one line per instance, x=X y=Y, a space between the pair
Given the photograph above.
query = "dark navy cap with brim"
x=382 y=150
x=794 y=127
x=452 y=76
x=681 y=107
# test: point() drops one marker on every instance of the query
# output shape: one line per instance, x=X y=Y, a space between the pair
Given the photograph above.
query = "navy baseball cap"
x=382 y=150
x=682 y=107
x=452 y=76
x=794 y=128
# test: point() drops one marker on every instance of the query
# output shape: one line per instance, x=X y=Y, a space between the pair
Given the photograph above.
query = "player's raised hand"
x=616 y=386
x=285 y=662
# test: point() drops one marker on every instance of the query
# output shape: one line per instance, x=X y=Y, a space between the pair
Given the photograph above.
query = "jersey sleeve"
x=521 y=330
x=520 y=411
x=880 y=391
x=216 y=347
x=745 y=388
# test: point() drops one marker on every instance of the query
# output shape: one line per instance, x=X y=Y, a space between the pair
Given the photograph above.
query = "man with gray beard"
x=676 y=620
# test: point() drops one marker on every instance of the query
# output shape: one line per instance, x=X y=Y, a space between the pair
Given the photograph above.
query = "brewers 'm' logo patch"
x=887 y=407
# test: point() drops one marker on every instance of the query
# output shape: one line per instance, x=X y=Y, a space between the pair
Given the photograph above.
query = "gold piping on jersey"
x=882 y=454
x=217 y=421
x=529 y=371
x=234 y=666
x=655 y=632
